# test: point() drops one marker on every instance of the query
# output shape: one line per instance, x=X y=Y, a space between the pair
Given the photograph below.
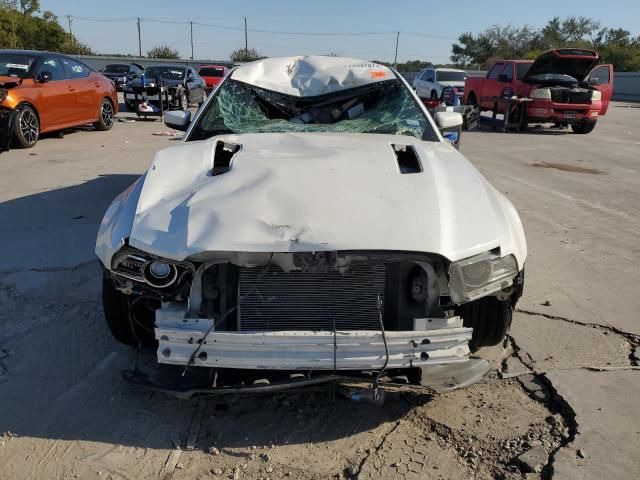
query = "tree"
x=615 y=45
x=29 y=31
x=163 y=51
x=249 y=55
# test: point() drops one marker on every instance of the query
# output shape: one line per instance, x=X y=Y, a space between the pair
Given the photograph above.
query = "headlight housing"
x=540 y=94
x=480 y=276
x=596 y=95
x=155 y=272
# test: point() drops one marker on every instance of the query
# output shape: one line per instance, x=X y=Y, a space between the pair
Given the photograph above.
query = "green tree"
x=24 y=29
x=163 y=51
x=248 y=55
x=614 y=45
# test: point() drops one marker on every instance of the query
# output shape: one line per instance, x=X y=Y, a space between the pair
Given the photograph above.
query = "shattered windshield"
x=385 y=107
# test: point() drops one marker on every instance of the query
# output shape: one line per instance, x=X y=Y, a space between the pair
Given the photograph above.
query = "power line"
x=256 y=30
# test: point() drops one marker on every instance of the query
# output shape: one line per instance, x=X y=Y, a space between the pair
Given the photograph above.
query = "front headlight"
x=480 y=276
x=596 y=95
x=540 y=94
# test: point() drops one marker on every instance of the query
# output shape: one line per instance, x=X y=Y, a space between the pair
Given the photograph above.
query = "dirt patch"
x=567 y=168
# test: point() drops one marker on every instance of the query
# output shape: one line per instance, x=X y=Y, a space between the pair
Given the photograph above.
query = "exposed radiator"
x=311 y=300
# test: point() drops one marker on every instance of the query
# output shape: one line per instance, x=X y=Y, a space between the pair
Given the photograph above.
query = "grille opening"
x=222 y=157
x=407 y=158
x=309 y=300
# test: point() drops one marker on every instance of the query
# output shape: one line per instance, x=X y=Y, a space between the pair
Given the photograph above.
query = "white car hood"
x=313 y=192
x=452 y=84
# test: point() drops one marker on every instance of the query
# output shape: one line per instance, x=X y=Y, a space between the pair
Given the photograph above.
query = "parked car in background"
x=212 y=75
x=229 y=252
x=184 y=85
x=430 y=82
x=43 y=91
x=563 y=86
x=121 y=73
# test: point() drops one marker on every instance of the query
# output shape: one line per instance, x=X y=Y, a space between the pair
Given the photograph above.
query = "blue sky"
x=444 y=21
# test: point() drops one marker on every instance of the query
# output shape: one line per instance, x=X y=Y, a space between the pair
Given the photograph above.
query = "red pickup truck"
x=564 y=86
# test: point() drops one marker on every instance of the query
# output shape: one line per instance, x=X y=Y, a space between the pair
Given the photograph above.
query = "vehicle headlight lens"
x=540 y=94
x=480 y=276
x=160 y=269
x=596 y=95
x=160 y=274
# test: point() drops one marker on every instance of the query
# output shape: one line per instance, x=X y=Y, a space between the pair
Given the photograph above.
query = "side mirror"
x=44 y=77
x=178 y=120
x=503 y=78
x=450 y=126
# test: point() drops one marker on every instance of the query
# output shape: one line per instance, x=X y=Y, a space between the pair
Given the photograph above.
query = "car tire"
x=183 y=101
x=26 y=127
x=434 y=94
x=490 y=319
x=106 y=115
x=130 y=318
x=131 y=107
x=583 y=128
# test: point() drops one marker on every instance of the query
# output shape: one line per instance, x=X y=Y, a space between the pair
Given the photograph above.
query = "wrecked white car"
x=314 y=221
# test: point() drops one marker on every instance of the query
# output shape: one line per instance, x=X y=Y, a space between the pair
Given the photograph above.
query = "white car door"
x=417 y=82
x=428 y=83
x=425 y=84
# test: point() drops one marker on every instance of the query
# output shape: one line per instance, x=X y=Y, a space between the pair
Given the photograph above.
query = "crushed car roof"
x=310 y=76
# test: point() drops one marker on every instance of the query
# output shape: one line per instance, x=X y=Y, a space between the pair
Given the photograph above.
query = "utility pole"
x=395 y=59
x=191 y=25
x=139 y=39
x=246 y=44
x=70 y=33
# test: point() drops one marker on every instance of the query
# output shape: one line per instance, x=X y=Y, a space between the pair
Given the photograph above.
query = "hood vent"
x=407 y=158
x=222 y=157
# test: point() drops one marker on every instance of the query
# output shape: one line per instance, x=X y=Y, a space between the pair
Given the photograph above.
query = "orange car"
x=43 y=92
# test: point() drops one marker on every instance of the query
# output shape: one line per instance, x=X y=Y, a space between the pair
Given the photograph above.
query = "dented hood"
x=312 y=75
x=312 y=192
x=9 y=82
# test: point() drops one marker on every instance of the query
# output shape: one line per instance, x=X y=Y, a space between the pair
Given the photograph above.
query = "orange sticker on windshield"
x=378 y=73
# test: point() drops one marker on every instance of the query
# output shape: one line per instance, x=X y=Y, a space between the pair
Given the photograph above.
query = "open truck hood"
x=574 y=62
x=288 y=192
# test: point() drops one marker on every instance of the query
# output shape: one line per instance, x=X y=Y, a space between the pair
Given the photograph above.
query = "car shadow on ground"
x=61 y=370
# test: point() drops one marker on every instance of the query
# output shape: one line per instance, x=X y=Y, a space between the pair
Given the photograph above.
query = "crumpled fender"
x=116 y=224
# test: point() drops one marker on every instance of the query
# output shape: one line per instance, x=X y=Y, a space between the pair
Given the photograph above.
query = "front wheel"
x=490 y=319
x=434 y=95
x=130 y=318
x=583 y=127
x=183 y=101
x=204 y=98
x=26 y=130
x=106 y=115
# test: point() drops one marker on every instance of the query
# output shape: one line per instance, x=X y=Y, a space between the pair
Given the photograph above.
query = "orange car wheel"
x=26 y=130
x=106 y=115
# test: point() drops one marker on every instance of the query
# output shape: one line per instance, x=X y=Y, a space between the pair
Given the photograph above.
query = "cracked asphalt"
x=561 y=400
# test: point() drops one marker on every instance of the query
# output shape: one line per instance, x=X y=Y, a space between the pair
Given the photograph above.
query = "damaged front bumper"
x=7 y=117
x=440 y=341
